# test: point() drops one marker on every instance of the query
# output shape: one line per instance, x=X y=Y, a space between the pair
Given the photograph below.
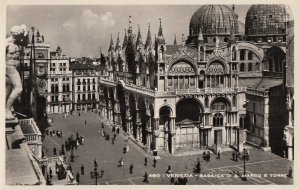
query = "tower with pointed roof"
x=161 y=43
x=148 y=43
x=139 y=41
x=201 y=46
x=175 y=41
x=125 y=40
x=118 y=43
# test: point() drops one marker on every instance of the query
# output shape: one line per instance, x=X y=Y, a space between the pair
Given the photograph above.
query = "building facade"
x=85 y=86
x=59 y=97
x=218 y=87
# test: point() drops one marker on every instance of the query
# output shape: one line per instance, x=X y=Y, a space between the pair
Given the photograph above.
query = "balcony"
x=272 y=74
x=189 y=91
x=224 y=90
x=139 y=89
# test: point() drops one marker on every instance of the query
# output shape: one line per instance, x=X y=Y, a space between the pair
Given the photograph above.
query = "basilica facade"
x=218 y=87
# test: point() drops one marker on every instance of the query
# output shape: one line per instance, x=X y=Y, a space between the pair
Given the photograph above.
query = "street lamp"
x=245 y=157
x=95 y=174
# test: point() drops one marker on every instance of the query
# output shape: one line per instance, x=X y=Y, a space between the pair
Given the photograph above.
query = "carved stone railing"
x=139 y=89
x=225 y=90
x=257 y=92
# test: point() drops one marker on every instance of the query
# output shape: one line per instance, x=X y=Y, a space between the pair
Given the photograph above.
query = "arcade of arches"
x=192 y=122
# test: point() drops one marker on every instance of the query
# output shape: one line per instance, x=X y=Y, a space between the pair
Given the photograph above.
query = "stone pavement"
x=108 y=155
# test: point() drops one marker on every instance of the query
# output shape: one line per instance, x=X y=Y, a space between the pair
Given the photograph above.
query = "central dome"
x=214 y=20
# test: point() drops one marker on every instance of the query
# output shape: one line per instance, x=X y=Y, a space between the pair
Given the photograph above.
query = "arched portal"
x=152 y=124
x=164 y=124
x=121 y=98
x=105 y=94
x=188 y=118
x=132 y=107
x=144 y=119
x=220 y=109
x=189 y=109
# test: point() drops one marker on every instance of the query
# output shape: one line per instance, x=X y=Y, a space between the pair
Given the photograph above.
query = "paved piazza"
x=263 y=168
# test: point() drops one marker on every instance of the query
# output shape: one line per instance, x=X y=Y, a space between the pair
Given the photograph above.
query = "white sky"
x=81 y=30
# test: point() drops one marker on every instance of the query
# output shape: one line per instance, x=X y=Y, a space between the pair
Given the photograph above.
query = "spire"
x=130 y=22
x=160 y=32
x=125 y=40
x=148 y=40
x=102 y=57
x=139 y=37
x=130 y=26
x=160 y=37
x=38 y=33
x=233 y=7
x=182 y=40
x=118 y=45
x=111 y=46
x=175 y=41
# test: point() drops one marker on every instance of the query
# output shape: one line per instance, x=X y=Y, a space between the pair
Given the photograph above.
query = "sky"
x=80 y=30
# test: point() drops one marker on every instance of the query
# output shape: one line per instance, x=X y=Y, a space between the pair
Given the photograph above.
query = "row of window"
x=56 y=79
x=61 y=69
x=84 y=88
x=251 y=67
x=65 y=88
x=83 y=80
x=82 y=97
x=64 y=98
x=60 y=64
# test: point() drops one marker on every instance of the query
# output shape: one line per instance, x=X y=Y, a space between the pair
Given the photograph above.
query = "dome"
x=214 y=20
x=267 y=19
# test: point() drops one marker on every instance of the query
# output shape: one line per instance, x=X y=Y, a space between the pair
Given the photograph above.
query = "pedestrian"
x=77 y=177
x=233 y=155
x=127 y=148
x=82 y=169
x=112 y=141
x=208 y=156
x=236 y=156
x=79 y=114
x=95 y=162
x=124 y=149
x=43 y=169
x=290 y=175
x=146 y=160
x=118 y=130
x=219 y=154
x=70 y=168
x=172 y=180
x=130 y=168
x=146 y=178
x=48 y=179
x=204 y=155
x=121 y=162
x=85 y=122
x=154 y=162
x=50 y=172
x=115 y=136
x=54 y=151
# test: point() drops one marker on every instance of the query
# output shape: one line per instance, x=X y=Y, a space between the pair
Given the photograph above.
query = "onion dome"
x=267 y=19
x=214 y=20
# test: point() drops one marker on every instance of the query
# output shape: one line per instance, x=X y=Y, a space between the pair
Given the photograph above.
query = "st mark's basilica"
x=223 y=85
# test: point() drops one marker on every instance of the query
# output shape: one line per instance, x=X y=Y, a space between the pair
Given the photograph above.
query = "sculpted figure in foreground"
x=14 y=43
